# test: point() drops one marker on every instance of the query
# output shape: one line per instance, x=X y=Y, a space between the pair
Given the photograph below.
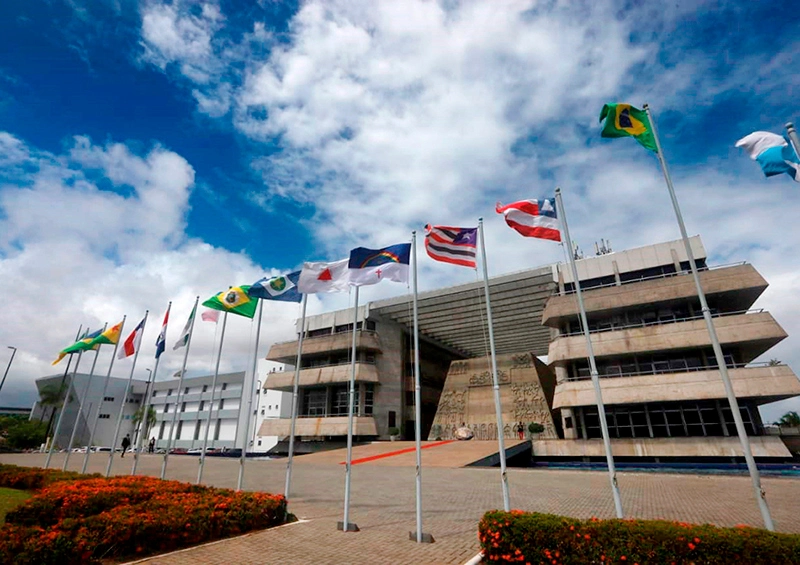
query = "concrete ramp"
x=450 y=454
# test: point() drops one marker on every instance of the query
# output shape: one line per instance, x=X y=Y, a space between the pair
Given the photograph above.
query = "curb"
x=475 y=560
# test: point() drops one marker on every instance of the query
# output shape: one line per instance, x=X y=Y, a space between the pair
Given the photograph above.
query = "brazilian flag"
x=234 y=300
x=623 y=120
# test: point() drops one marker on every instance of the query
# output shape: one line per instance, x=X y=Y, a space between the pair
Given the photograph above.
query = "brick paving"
x=453 y=501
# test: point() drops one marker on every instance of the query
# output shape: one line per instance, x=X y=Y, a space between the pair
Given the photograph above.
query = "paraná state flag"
x=324 y=277
x=81 y=345
x=187 y=330
x=623 y=120
x=131 y=344
x=161 y=340
x=234 y=300
x=452 y=245
x=772 y=152
x=532 y=218
x=371 y=266
x=283 y=287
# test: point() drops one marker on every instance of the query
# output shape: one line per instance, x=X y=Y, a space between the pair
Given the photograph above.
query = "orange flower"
x=691 y=546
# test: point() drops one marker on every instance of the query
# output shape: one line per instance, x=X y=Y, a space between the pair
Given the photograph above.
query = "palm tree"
x=150 y=420
x=52 y=395
x=790 y=420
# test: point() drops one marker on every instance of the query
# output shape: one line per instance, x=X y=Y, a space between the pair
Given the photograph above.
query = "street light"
x=8 y=366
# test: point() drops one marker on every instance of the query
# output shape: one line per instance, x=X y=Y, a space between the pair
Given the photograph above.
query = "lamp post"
x=14 y=352
x=258 y=407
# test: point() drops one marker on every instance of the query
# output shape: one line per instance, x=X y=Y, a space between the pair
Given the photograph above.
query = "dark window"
x=370 y=325
x=105 y=416
x=180 y=428
x=169 y=392
x=205 y=388
x=197 y=430
x=409 y=398
x=216 y=431
x=183 y=407
x=161 y=431
x=186 y=390
x=224 y=386
x=108 y=399
x=166 y=408
x=313 y=402
x=202 y=405
x=568 y=422
x=392 y=419
x=319 y=332
x=221 y=403
x=369 y=398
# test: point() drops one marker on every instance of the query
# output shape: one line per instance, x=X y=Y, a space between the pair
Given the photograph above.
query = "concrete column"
x=722 y=419
x=617 y=279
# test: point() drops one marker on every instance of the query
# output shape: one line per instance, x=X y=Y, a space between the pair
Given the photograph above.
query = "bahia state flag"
x=324 y=277
x=623 y=120
x=772 y=152
x=81 y=345
x=532 y=218
x=282 y=288
x=371 y=266
x=234 y=300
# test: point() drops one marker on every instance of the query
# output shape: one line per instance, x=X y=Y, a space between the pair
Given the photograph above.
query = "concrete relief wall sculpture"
x=524 y=361
x=485 y=378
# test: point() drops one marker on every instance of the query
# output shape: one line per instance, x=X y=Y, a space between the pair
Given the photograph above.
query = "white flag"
x=324 y=277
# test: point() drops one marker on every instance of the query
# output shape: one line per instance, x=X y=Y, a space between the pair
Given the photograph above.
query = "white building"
x=268 y=404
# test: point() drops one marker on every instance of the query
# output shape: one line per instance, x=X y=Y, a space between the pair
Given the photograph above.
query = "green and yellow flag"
x=623 y=120
x=234 y=300
x=108 y=337
x=83 y=344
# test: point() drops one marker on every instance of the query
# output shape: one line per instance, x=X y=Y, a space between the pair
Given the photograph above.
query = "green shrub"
x=518 y=537
x=535 y=428
x=394 y=431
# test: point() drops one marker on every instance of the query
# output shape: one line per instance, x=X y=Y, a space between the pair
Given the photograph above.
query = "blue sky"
x=197 y=144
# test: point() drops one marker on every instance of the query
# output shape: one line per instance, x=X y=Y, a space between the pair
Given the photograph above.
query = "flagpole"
x=598 y=394
x=60 y=388
x=125 y=396
x=180 y=388
x=143 y=421
x=761 y=496
x=420 y=537
x=345 y=525
x=250 y=400
x=793 y=138
x=100 y=403
x=63 y=403
x=295 y=386
x=211 y=406
x=63 y=409
x=495 y=383
x=81 y=403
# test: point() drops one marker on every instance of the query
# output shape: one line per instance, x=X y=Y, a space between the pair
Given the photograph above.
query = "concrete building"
x=663 y=395
x=109 y=403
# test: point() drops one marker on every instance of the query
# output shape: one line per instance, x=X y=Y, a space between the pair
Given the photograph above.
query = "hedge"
x=34 y=478
x=85 y=521
x=532 y=538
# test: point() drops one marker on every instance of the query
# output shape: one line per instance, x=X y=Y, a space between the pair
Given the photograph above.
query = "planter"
x=394 y=438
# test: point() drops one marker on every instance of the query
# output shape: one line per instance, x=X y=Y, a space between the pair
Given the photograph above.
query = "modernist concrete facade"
x=662 y=391
x=661 y=388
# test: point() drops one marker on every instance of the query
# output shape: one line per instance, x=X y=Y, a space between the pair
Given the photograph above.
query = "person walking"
x=126 y=443
x=151 y=447
x=521 y=430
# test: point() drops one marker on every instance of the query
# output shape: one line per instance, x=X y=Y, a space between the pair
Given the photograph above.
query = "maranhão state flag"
x=371 y=266
x=532 y=218
x=131 y=345
x=324 y=277
x=452 y=245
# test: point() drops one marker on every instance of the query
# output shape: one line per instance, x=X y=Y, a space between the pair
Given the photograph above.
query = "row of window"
x=309 y=362
x=669 y=419
x=341 y=329
x=196 y=430
x=641 y=274
x=335 y=401
x=649 y=364
x=186 y=390
x=199 y=409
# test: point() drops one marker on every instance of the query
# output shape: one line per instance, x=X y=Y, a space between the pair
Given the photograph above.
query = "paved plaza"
x=454 y=499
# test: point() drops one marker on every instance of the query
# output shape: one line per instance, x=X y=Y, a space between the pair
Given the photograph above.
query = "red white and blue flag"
x=161 y=340
x=452 y=245
x=532 y=218
x=131 y=344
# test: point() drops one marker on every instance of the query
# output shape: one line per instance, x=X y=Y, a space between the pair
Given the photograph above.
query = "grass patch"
x=9 y=499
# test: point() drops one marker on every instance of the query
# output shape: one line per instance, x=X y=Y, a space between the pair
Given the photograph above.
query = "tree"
x=20 y=433
x=790 y=420
x=150 y=420
x=52 y=395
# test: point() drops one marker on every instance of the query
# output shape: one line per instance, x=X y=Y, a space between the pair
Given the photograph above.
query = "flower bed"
x=83 y=521
x=34 y=478
x=531 y=538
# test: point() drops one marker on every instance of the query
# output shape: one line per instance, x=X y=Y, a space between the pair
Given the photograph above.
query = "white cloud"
x=389 y=115
x=73 y=253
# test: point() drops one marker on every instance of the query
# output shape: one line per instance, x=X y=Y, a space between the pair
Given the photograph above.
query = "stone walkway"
x=454 y=499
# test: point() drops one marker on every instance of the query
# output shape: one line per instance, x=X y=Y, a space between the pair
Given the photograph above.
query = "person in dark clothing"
x=126 y=443
x=521 y=430
x=151 y=447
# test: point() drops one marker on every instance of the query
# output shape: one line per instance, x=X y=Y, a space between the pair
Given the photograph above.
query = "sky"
x=156 y=151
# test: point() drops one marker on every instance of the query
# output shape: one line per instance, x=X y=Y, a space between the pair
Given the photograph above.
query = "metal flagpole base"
x=426 y=538
x=351 y=527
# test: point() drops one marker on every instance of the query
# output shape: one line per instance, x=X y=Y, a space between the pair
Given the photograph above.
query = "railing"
x=653 y=277
x=358 y=362
x=644 y=324
x=349 y=331
x=674 y=370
